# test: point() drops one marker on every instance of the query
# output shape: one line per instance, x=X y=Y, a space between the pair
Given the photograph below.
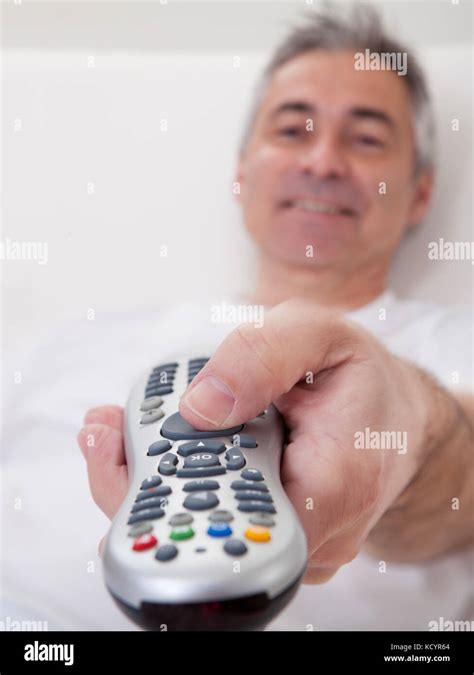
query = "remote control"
x=206 y=538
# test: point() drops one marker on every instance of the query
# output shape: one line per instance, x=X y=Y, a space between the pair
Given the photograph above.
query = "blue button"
x=219 y=530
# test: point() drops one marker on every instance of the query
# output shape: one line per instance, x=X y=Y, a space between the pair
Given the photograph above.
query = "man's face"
x=330 y=164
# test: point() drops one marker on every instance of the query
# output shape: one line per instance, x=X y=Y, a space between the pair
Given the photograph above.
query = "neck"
x=278 y=281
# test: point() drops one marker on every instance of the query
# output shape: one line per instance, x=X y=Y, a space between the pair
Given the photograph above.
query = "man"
x=336 y=165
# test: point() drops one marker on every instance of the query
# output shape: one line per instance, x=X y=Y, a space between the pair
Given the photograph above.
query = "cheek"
x=388 y=200
x=262 y=173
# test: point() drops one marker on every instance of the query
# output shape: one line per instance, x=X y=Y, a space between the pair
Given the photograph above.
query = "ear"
x=421 y=197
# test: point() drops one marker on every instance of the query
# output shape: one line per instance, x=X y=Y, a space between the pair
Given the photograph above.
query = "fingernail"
x=211 y=399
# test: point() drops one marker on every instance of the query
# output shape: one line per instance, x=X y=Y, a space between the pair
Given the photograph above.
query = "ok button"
x=202 y=459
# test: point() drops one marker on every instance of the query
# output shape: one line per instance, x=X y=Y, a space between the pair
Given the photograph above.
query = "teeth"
x=310 y=205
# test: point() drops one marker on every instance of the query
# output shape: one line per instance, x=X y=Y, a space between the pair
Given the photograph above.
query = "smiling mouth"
x=315 y=206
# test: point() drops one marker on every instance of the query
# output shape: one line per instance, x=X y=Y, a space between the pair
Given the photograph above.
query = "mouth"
x=317 y=206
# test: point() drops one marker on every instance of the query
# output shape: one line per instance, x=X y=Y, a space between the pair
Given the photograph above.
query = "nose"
x=325 y=157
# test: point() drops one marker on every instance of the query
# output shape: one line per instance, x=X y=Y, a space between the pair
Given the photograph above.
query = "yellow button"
x=258 y=533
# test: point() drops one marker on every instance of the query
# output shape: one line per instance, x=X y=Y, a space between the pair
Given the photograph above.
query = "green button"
x=180 y=533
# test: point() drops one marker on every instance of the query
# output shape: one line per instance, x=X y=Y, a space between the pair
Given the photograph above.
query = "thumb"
x=256 y=365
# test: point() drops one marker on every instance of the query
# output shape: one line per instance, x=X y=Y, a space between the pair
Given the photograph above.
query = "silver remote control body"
x=206 y=537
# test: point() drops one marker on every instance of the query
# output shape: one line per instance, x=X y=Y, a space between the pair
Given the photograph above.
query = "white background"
x=101 y=125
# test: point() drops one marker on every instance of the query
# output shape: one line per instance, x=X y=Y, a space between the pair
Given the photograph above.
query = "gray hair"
x=361 y=29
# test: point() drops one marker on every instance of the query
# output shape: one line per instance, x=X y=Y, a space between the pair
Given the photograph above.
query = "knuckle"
x=333 y=557
x=360 y=493
x=372 y=487
x=264 y=346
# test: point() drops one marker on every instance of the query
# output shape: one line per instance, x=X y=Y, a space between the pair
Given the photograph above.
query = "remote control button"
x=195 y=368
x=198 y=360
x=235 y=547
x=255 y=495
x=165 y=375
x=155 y=383
x=167 y=465
x=159 y=491
x=219 y=530
x=200 y=549
x=144 y=542
x=150 y=403
x=196 y=485
x=171 y=370
x=164 y=366
x=187 y=449
x=201 y=472
x=152 y=416
x=176 y=428
x=251 y=474
x=258 y=534
x=245 y=441
x=181 y=533
x=262 y=519
x=146 y=514
x=248 y=485
x=250 y=507
x=160 y=382
x=158 y=379
x=203 y=459
x=147 y=504
x=181 y=519
x=151 y=482
x=158 y=447
x=235 y=459
x=198 y=501
x=159 y=389
x=140 y=528
x=166 y=552
x=221 y=516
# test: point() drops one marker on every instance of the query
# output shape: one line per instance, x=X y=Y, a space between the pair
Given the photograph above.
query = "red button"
x=144 y=542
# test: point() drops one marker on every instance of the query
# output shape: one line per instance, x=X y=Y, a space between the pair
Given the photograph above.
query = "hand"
x=330 y=379
x=101 y=442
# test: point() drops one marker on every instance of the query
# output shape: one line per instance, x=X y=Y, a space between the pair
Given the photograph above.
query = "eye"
x=369 y=141
x=289 y=131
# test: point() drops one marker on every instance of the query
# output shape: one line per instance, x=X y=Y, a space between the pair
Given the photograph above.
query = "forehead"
x=329 y=81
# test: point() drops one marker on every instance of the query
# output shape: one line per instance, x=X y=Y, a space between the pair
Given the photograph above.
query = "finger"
x=101 y=547
x=111 y=415
x=318 y=575
x=313 y=480
x=323 y=485
x=102 y=446
x=331 y=556
x=254 y=366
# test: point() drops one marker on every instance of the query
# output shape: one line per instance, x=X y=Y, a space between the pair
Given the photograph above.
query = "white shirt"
x=51 y=571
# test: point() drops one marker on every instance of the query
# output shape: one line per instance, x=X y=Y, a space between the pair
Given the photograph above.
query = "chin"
x=323 y=255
